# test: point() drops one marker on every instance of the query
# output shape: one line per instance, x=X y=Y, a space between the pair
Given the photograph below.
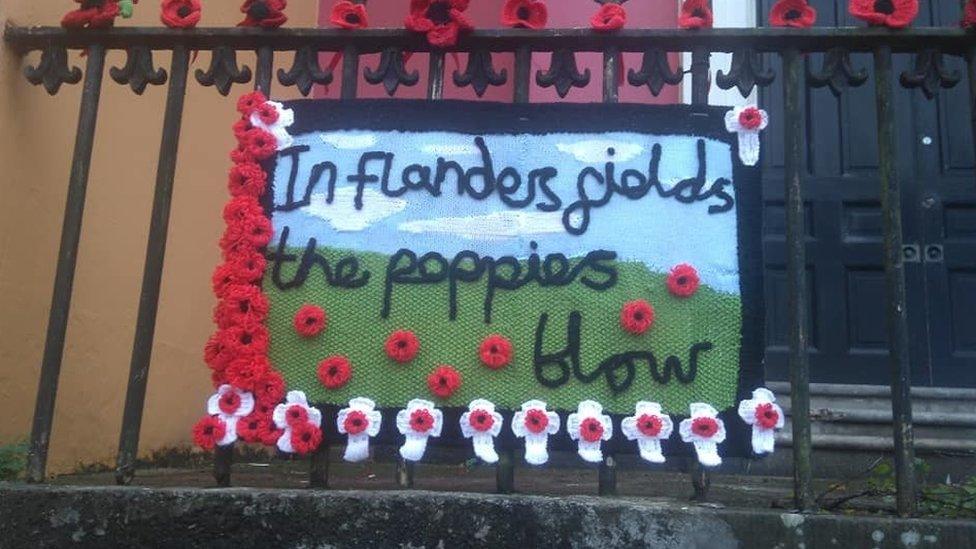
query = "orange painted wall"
x=35 y=152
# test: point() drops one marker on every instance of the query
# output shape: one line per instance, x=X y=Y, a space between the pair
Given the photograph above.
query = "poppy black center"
x=522 y=13
x=309 y=321
x=306 y=436
x=792 y=14
x=494 y=349
x=332 y=371
x=593 y=426
x=89 y=4
x=401 y=344
x=439 y=13
x=246 y=339
x=698 y=12
x=886 y=7
x=443 y=381
x=638 y=316
x=357 y=422
x=184 y=11
x=352 y=19
x=258 y=10
x=244 y=306
x=208 y=430
x=682 y=280
x=480 y=419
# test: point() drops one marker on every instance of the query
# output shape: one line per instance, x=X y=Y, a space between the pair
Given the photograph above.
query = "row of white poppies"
x=589 y=426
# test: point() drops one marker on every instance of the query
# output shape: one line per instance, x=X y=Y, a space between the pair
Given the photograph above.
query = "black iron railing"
x=747 y=71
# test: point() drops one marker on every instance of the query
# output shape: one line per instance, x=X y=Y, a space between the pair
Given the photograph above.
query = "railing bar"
x=796 y=266
x=971 y=70
x=859 y=39
x=319 y=471
x=404 y=473
x=611 y=72
x=897 y=316
x=47 y=388
x=264 y=71
x=135 y=395
x=699 y=75
x=523 y=75
x=435 y=75
x=350 y=73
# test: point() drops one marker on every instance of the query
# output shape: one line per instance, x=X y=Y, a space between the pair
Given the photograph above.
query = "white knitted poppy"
x=748 y=137
x=244 y=406
x=763 y=401
x=705 y=446
x=280 y=417
x=416 y=439
x=286 y=117
x=363 y=411
x=534 y=423
x=640 y=426
x=481 y=423
x=589 y=417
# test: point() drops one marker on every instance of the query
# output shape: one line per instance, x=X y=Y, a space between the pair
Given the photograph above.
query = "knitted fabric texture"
x=456 y=251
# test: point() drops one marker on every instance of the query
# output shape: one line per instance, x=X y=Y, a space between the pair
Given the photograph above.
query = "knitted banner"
x=456 y=251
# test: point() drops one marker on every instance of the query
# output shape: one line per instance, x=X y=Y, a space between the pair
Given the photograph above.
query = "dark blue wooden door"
x=845 y=274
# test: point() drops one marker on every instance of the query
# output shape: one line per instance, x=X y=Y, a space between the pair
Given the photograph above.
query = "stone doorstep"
x=59 y=516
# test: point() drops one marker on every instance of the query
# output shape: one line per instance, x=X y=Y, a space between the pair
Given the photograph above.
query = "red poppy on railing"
x=181 y=14
x=93 y=14
x=695 y=14
x=792 y=13
x=264 y=13
x=349 y=15
x=608 y=18
x=895 y=14
x=529 y=14
x=442 y=20
x=969 y=15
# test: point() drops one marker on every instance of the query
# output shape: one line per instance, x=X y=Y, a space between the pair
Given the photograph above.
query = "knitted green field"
x=356 y=330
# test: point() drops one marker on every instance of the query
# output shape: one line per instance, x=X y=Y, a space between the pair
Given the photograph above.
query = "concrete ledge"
x=48 y=516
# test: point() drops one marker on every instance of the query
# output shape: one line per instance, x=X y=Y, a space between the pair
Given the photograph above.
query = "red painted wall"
x=486 y=14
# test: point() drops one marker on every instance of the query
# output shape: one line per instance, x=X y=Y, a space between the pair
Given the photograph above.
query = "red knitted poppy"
x=241 y=127
x=481 y=420
x=896 y=14
x=536 y=421
x=704 y=427
x=246 y=179
x=591 y=430
x=792 y=13
x=247 y=372
x=252 y=427
x=441 y=20
x=969 y=15
x=264 y=13
x=421 y=420
x=250 y=101
x=296 y=415
x=649 y=425
x=347 y=15
x=443 y=381
x=305 y=438
x=636 y=317
x=750 y=118
x=269 y=389
x=267 y=113
x=695 y=14
x=683 y=281
x=356 y=422
x=241 y=304
x=240 y=208
x=529 y=14
x=310 y=320
x=94 y=15
x=259 y=144
x=180 y=14
x=495 y=351
x=229 y=401
x=216 y=354
x=208 y=432
x=245 y=340
x=247 y=266
x=402 y=346
x=609 y=17
x=766 y=416
x=334 y=372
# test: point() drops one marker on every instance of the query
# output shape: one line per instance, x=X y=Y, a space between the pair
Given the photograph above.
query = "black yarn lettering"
x=566 y=360
x=344 y=275
x=361 y=178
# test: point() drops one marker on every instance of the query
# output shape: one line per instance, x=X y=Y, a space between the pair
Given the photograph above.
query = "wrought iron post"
x=135 y=396
x=74 y=210
x=897 y=314
x=796 y=267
